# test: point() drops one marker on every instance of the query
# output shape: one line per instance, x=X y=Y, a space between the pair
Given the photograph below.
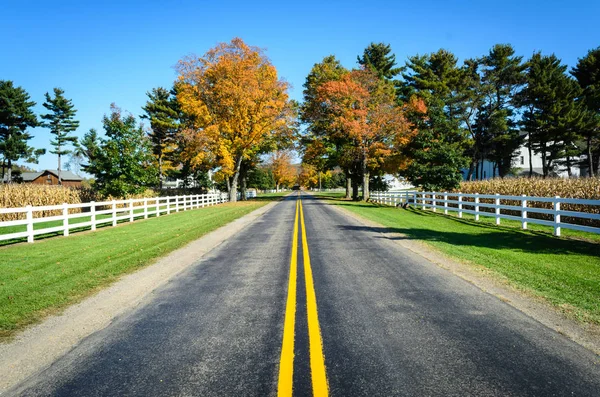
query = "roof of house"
x=64 y=175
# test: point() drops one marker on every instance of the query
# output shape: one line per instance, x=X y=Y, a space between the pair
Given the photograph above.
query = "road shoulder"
x=587 y=335
x=38 y=347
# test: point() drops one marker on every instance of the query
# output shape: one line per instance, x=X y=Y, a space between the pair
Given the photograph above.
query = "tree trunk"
x=569 y=171
x=471 y=170
x=234 y=181
x=9 y=171
x=530 y=156
x=277 y=187
x=243 y=188
x=160 y=174
x=348 y=185
x=355 y=184
x=3 y=169
x=58 y=170
x=319 y=180
x=365 y=181
x=590 y=157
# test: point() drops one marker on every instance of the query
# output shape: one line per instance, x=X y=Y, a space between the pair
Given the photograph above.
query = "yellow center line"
x=317 y=359
x=286 y=362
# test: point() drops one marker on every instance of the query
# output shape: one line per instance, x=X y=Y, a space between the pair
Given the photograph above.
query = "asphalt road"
x=391 y=324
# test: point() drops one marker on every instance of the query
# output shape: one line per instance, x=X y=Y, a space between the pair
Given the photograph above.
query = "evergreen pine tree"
x=378 y=57
x=587 y=73
x=16 y=115
x=551 y=115
x=61 y=122
x=163 y=115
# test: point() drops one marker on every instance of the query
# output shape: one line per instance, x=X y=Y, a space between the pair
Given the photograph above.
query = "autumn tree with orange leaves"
x=236 y=107
x=283 y=171
x=365 y=111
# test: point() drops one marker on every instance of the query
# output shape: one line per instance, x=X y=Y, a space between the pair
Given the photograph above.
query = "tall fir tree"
x=16 y=116
x=379 y=58
x=502 y=77
x=61 y=122
x=551 y=115
x=161 y=111
x=438 y=149
x=587 y=73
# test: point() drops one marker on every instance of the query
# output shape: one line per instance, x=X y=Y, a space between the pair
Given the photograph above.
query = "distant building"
x=50 y=177
x=520 y=164
x=395 y=183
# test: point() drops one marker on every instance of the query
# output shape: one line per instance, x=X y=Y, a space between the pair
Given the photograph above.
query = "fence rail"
x=579 y=214
x=93 y=214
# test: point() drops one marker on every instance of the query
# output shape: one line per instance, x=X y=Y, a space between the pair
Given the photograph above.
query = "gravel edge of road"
x=586 y=335
x=38 y=347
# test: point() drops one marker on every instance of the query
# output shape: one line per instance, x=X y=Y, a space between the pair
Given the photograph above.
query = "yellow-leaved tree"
x=283 y=171
x=234 y=103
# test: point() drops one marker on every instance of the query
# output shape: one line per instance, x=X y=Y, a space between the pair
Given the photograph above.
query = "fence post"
x=114 y=213
x=145 y=208
x=157 y=207
x=93 y=214
x=557 y=216
x=445 y=203
x=130 y=210
x=497 y=208
x=395 y=200
x=177 y=203
x=433 y=203
x=29 y=224
x=524 y=213
x=476 y=206
x=65 y=213
x=460 y=204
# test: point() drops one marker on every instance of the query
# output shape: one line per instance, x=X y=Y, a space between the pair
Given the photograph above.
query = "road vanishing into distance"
x=308 y=301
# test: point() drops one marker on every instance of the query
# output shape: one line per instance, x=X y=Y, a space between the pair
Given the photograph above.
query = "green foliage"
x=587 y=73
x=16 y=116
x=122 y=163
x=261 y=178
x=162 y=111
x=551 y=115
x=438 y=149
x=320 y=144
x=61 y=121
x=377 y=57
x=496 y=134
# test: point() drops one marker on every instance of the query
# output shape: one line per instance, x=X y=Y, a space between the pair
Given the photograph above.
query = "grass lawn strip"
x=564 y=271
x=41 y=278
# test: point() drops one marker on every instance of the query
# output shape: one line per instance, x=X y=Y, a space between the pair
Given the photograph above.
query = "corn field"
x=581 y=188
x=21 y=195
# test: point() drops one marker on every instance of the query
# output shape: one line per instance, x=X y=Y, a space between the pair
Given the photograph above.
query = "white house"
x=521 y=163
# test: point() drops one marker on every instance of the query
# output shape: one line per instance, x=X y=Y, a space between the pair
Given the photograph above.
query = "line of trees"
x=224 y=113
x=433 y=117
x=228 y=114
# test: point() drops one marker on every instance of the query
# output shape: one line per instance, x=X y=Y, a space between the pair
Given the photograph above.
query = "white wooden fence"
x=98 y=213
x=498 y=205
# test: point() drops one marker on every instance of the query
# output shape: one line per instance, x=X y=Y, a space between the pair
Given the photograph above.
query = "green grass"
x=42 y=278
x=138 y=214
x=564 y=271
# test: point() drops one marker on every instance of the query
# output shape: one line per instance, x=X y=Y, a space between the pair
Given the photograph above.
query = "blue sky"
x=115 y=51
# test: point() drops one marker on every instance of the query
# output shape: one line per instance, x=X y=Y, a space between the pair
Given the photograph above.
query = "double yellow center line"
x=317 y=359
